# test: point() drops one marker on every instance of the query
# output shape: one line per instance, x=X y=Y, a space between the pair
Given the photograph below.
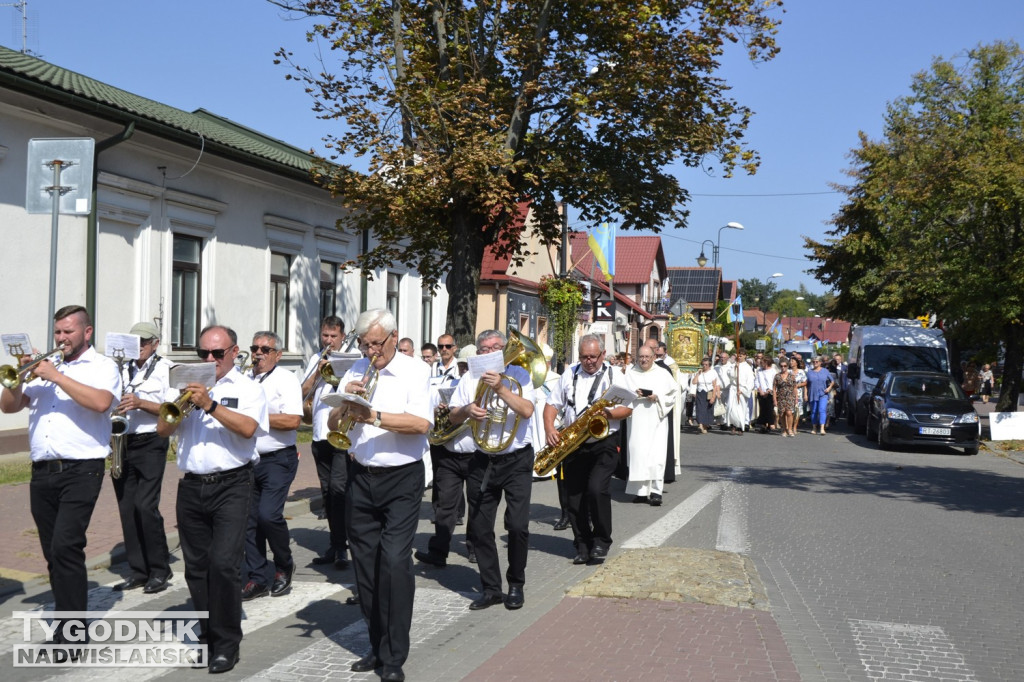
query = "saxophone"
x=591 y=424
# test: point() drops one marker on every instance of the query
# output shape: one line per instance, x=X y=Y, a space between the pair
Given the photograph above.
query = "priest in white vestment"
x=741 y=388
x=648 y=427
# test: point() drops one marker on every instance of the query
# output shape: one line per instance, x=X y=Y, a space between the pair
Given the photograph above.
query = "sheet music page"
x=186 y=373
x=122 y=346
x=342 y=362
x=488 y=362
x=339 y=399
x=620 y=394
x=16 y=344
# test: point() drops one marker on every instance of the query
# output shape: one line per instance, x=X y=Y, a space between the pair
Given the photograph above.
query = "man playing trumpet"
x=69 y=436
x=507 y=470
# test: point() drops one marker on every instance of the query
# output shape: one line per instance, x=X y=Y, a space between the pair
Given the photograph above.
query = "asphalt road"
x=877 y=566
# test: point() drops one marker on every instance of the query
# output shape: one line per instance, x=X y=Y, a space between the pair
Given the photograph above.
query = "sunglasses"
x=446 y=345
x=217 y=353
x=264 y=349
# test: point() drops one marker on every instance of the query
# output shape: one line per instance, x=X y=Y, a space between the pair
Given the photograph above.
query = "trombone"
x=11 y=377
x=339 y=439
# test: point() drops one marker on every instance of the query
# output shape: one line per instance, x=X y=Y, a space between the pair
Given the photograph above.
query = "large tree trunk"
x=464 y=279
x=1009 y=392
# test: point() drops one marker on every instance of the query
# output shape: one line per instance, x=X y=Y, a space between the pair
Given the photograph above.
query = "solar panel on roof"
x=696 y=286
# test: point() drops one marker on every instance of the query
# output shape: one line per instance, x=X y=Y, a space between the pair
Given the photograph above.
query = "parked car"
x=922 y=408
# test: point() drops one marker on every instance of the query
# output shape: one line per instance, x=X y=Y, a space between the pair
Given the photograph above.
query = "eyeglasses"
x=263 y=349
x=217 y=353
x=590 y=357
x=446 y=345
x=365 y=345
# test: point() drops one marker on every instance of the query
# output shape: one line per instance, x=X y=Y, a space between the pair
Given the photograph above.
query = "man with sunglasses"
x=273 y=474
x=216 y=452
x=145 y=459
x=389 y=441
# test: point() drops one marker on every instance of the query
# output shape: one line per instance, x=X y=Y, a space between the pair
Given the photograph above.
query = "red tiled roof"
x=635 y=258
x=492 y=265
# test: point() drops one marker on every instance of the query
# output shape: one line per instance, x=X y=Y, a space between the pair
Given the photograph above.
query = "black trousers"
x=138 y=504
x=383 y=511
x=765 y=409
x=333 y=469
x=272 y=479
x=588 y=475
x=450 y=476
x=62 y=495
x=489 y=477
x=437 y=452
x=212 y=513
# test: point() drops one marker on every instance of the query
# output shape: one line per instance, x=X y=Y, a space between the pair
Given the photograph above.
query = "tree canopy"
x=466 y=110
x=932 y=222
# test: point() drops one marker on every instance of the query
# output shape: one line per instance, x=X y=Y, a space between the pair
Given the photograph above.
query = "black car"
x=922 y=408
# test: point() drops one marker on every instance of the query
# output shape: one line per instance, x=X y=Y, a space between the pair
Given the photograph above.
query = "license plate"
x=932 y=431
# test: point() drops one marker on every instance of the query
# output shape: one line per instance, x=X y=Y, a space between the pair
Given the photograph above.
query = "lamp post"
x=702 y=260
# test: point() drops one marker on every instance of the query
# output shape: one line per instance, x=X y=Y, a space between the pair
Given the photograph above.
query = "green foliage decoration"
x=562 y=297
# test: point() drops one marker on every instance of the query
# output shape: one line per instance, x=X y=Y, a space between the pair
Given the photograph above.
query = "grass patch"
x=15 y=472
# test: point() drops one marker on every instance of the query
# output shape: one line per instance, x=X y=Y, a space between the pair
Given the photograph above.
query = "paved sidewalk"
x=21 y=559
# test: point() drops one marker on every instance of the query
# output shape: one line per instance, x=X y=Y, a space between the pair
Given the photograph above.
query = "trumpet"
x=339 y=439
x=11 y=377
x=324 y=374
x=173 y=413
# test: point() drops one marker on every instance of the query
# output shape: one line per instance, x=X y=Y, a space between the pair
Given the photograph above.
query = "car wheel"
x=973 y=450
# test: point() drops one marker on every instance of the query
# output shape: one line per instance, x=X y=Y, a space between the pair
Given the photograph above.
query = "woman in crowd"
x=705 y=380
x=785 y=399
x=819 y=385
x=796 y=366
x=988 y=380
x=972 y=380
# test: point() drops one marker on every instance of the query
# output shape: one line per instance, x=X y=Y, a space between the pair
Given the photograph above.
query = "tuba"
x=591 y=424
x=339 y=439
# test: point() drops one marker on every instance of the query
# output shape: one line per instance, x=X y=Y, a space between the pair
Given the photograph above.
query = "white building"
x=197 y=220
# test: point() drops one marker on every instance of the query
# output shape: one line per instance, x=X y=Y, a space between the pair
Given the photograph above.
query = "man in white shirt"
x=588 y=471
x=740 y=389
x=649 y=427
x=446 y=367
x=273 y=474
x=69 y=435
x=389 y=440
x=145 y=459
x=507 y=471
x=216 y=452
x=764 y=388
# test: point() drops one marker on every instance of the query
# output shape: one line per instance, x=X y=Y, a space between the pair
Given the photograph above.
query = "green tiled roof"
x=25 y=73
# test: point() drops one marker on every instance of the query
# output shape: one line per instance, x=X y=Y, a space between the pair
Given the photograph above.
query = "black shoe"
x=429 y=558
x=353 y=600
x=221 y=663
x=130 y=584
x=640 y=499
x=655 y=500
x=323 y=560
x=154 y=585
x=515 y=598
x=581 y=557
x=472 y=556
x=392 y=673
x=460 y=521
x=282 y=582
x=366 y=664
x=562 y=523
x=486 y=602
x=597 y=555
x=253 y=591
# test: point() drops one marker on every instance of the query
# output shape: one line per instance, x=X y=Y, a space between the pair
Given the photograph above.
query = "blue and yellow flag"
x=736 y=305
x=602 y=245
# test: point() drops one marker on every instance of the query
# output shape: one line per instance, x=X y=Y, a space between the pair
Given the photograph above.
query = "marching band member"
x=508 y=471
x=389 y=441
x=273 y=474
x=332 y=465
x=145 y=459
x=69 y=436
x=216 y=450
x=588 y=471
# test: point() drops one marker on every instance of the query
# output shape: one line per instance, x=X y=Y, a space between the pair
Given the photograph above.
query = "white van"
x=895 y=344
x=805 y=349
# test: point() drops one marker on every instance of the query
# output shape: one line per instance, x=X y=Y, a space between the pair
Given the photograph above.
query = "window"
x=542 y=330
x=280 y=270
x=328 y=289
x=524 y=324
x=186 y=280
x=426 y=314
x=392 y=300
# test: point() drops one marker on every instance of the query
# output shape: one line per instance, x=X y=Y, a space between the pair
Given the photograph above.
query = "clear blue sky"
x=841 y=63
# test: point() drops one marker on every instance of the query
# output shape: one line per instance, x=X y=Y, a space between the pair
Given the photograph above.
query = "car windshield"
x=881 y=359
x=924 y=387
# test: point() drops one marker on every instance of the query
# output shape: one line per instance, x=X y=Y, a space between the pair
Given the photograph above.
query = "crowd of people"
x=389 y=427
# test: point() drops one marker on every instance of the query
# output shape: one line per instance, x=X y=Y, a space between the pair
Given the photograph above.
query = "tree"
x=932 y=222
x=758 y=294
x=467 y=110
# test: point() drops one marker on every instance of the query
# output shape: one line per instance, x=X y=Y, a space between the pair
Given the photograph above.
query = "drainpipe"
x=92 y=224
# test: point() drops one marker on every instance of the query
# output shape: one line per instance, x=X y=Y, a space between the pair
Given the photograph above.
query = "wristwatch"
x=376 y=422
x=213 y=406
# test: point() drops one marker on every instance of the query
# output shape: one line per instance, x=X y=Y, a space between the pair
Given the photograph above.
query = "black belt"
x=135 y=438
x=375 y=471
x=503 y=455
x=56 y=466
x=217 y=476
x=287 y=450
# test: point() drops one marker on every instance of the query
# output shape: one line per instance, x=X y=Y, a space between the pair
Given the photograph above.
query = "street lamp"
x=702 y=260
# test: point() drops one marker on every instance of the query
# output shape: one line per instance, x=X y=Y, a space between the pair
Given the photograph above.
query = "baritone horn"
x=492 y=434
x=11 y=377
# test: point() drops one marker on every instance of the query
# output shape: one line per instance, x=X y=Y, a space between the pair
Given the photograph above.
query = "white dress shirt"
x=465 y=393
x=284 y=396
x=206 y=446
x=60 y=428
x=148 y=385
x=320 y=410
x=561 y=398
x=443 y=376
x=402 y=386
